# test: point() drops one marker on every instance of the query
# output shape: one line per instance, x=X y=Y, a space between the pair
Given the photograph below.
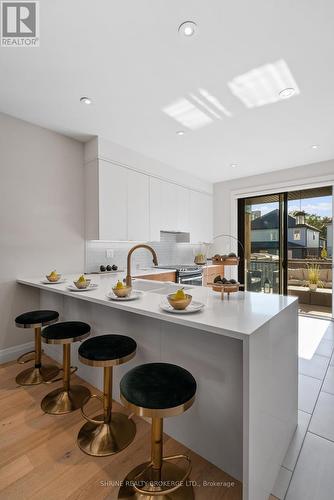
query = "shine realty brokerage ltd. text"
x=168 y=484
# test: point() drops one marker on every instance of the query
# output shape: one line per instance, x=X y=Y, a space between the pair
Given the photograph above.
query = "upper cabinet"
x=125 y=205
x=138 y=206
x=169 y=208
x=201 y=217
x=113 y=202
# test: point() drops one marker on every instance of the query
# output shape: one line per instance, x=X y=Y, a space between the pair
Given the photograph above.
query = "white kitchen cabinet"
x=138 y=206
x=156 y=216
x=201 y=217
x=117 y=203
x=183 y=209
x=113 y=202
x=125 y=205
x=169 y=208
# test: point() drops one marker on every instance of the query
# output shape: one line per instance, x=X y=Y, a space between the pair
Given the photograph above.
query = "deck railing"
x=269 y=269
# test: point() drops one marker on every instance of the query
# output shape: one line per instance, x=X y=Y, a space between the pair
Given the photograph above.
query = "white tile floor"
x=307 y=472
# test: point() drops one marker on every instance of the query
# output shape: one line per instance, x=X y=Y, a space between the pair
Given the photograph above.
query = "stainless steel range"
x=190 y=275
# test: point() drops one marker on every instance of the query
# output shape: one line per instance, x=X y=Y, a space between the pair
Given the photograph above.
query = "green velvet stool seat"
x=109 y=432
x=158 y=390
x=38 y=373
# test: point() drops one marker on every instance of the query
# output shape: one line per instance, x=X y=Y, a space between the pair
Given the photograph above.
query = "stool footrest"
x=162 y=491
x=73 y=370
x=21 y=361
x=86 y=417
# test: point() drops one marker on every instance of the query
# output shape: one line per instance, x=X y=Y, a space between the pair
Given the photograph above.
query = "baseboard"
x=12 y=353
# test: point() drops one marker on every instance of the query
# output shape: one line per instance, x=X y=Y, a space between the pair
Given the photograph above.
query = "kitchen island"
x=242 y=352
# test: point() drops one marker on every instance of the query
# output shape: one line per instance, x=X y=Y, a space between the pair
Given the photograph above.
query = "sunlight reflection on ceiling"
x=263 y=85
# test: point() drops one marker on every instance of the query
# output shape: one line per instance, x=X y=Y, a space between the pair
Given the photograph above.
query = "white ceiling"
x=129 y=58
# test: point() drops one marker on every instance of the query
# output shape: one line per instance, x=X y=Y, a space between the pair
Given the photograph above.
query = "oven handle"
x=190 y=278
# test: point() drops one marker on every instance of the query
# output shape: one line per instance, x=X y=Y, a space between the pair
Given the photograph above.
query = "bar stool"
x=67 y=398
x=109 y=432
x=38 y=373
x=158 y=390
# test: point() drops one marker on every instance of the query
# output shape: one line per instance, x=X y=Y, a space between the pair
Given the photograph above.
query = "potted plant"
x=324 y=253
x=314 y=277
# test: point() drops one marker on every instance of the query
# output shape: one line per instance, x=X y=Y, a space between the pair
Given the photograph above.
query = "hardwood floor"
x=39 y=457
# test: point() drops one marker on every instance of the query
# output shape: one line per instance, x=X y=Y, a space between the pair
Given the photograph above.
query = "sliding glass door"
x=287 y=241
x=310 y=244
x=262 y=237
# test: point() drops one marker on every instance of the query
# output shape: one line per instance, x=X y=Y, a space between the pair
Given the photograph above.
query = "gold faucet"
x=128 y=279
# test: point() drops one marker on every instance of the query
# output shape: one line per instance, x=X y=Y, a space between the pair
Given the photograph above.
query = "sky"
x=319 y=206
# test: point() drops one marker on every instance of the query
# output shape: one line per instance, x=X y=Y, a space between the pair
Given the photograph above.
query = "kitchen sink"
x=145 y=285
x=162 y=288
x=168 y=288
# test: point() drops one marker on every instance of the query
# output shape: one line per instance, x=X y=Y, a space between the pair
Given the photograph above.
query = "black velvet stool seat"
x=38 y=373
x=67 y=398
x=158 y=390
x=110 y=432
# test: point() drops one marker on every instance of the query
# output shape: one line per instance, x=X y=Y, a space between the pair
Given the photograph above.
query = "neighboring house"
x=255 y=214
x=303 y=239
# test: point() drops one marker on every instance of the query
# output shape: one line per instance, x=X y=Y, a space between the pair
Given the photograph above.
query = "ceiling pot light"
x=233 y=165
x=286 y=93
x=187 y=28
x=315 y=146
x=85 y=100
x=180 y=132
x=264 y=85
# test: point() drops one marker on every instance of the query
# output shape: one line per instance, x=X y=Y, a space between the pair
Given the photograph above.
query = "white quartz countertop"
x=238 y=317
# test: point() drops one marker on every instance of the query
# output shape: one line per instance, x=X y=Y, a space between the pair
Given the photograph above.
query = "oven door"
x=195 y=279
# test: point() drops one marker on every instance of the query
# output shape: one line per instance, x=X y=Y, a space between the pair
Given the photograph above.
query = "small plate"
x=194 y=306
x=91 y=287
x=134 y=295
x=47 y=282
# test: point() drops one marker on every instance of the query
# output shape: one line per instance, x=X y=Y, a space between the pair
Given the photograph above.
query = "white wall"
x=297 y=177
x=169 y=253
x=41 y=215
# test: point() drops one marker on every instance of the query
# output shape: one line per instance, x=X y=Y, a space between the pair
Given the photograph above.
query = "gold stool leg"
x=38 y=373
x=67 y=398
x=107 y=433
x=158 y=479
x=156 y=448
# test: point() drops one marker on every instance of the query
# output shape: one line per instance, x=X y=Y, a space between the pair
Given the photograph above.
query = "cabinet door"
x=113 y=202
x=208 y=218
x=138 y=206
x=163 y=207
x=170 y=206
x=156 y=215
x=201 y=217
x=183 y=222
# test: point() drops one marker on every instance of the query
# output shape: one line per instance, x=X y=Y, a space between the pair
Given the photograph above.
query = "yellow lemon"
x=179 y=295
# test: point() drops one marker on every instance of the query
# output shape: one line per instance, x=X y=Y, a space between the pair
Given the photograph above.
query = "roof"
x=271 y=221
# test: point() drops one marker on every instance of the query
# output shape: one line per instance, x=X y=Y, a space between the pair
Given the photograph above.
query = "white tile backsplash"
x=169 y=253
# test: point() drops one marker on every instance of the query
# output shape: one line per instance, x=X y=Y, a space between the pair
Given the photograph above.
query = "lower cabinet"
x=159 y=277
x=210 y=272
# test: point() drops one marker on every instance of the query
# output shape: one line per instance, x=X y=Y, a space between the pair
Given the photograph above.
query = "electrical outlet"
x=109 y=253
